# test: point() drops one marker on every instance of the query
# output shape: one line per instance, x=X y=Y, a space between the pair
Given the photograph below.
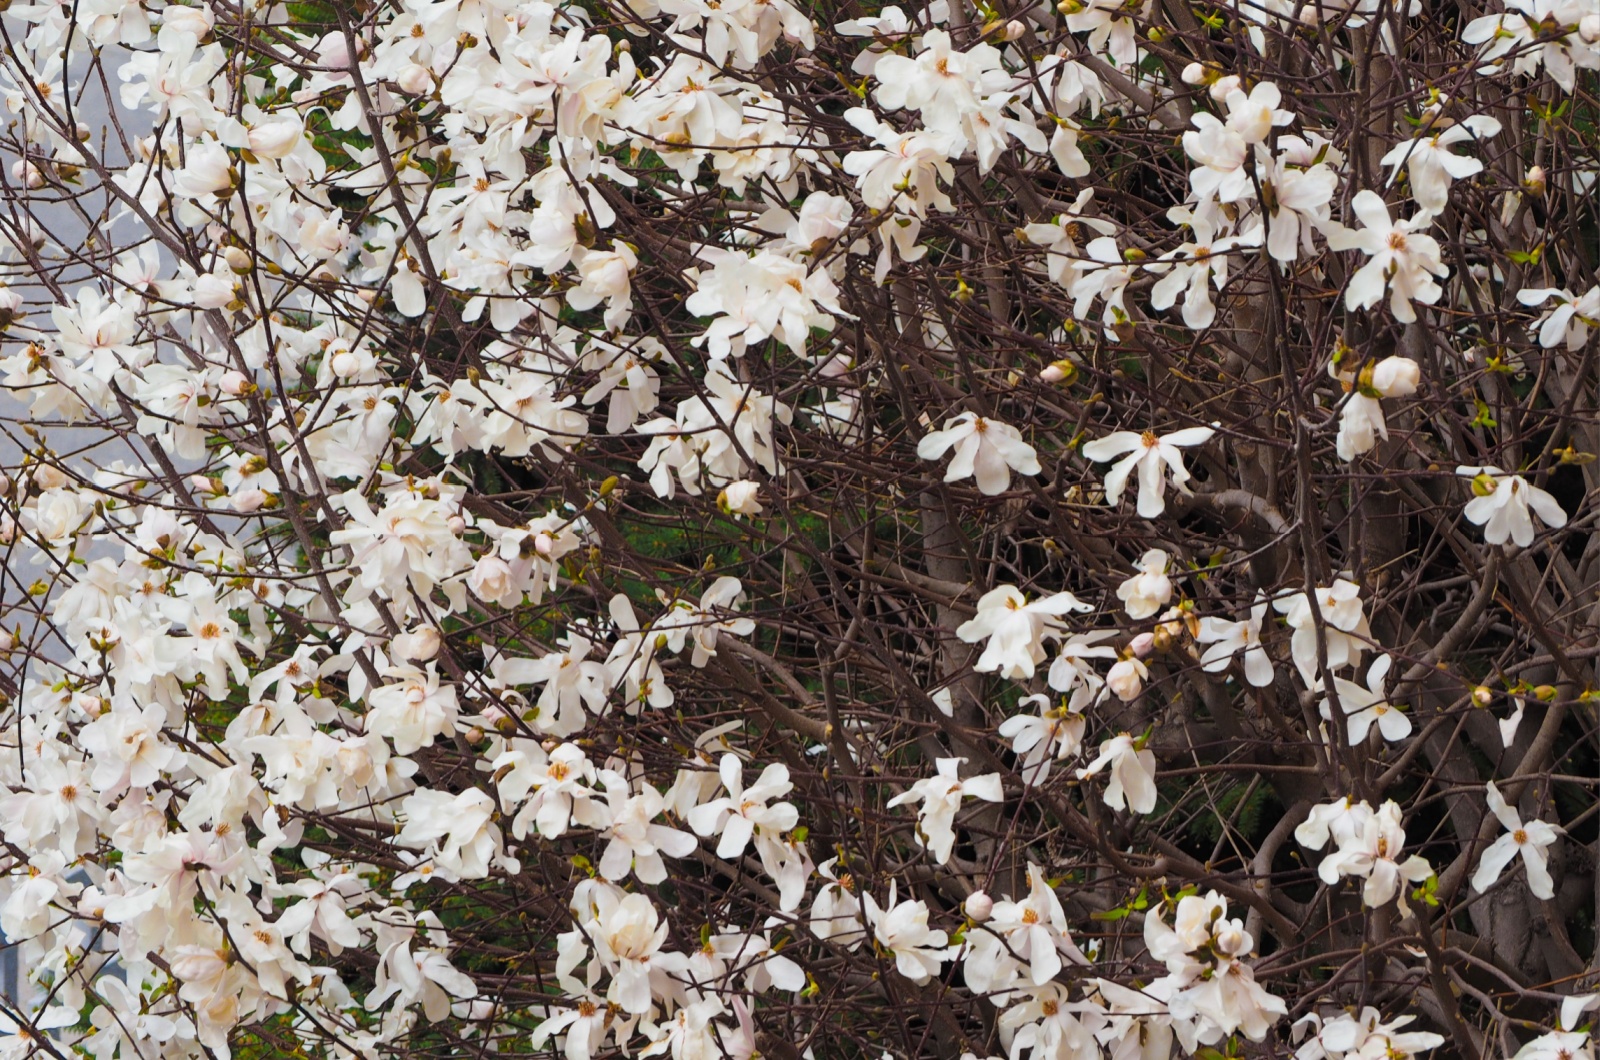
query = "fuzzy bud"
x=418 y=645
x=49 y=477
x=978 y=907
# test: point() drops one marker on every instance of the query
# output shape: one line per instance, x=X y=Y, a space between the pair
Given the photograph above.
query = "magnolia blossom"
x=985 y=449
x=1228 y=639
x=1148 y=591
x=1505 y=504
x=1133 y=774
x=1365 y=1037
x=1432 y=166
x=1529 y=840
x=940 y=797
x=1367 y=845
x=902 y=929
x=1361 y=421
x=1399 y=258
x=1344 y=627
x=1053 y=735
x=737 y=815
x=1570 y=321
x=1152 y=456
x=1369 y=706
x=1015 y=629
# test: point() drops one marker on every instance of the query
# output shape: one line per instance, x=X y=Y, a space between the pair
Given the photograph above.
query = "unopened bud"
x=1534 y=181
x=1062 y=371
x=1015 y=29
x=1482 y=696
x=345 y=364
x=1545 y=693
x=238 y=260
x=246 y=501
x=1483 y=485
x=1142 y=645
x=27 y=174
x=415 y=79
x=418 y=645
x=49 y=477
x=457 y=525
x=235 y=383
x=978 y=907
x=542 y=543
x=1589 y=28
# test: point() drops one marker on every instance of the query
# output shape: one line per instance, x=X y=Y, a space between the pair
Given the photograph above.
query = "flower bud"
x=415 y=79
x=1062 y=371
x=1534 y=181
x=27 y=174
x=195 y=20
x=978 y=907
x=1142 y=645
x=276 y=138
x=212 y=292
x=418 y=645
x=246 y=501
x=1396 y=377
x=1015 y=29
x=49 y=477
x=1231 y=940
x=345 y=364
x=457 y=525
x=542 y=543
x=8 y=529
x=5 y=484
x=7 y=640
x=1589 y=28
x=1483 y=485
x=235 y=383
x=238 y=260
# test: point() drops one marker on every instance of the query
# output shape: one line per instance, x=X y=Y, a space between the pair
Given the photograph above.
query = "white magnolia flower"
x=1569 y=322
x=1368 y=847
x=1343 y=623
x=902 y=929
x=1361 y=420
x=737 y=815
x=985 y=449
x=940 y=797
x=1152 y=456
x=1228 y=639
x=1528 y=839
x=1367 y=1037
x=1148 y=591
x=1365 y=707
x=1053 y=735
x=1504 y=505
x=1399 y=258
x=1015 y=629
x=1133 y=774
x=1430 y=164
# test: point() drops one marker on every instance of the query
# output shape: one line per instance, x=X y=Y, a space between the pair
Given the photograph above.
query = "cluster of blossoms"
x=503 y=489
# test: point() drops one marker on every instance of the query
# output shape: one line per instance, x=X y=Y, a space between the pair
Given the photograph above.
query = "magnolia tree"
x=818 y=530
